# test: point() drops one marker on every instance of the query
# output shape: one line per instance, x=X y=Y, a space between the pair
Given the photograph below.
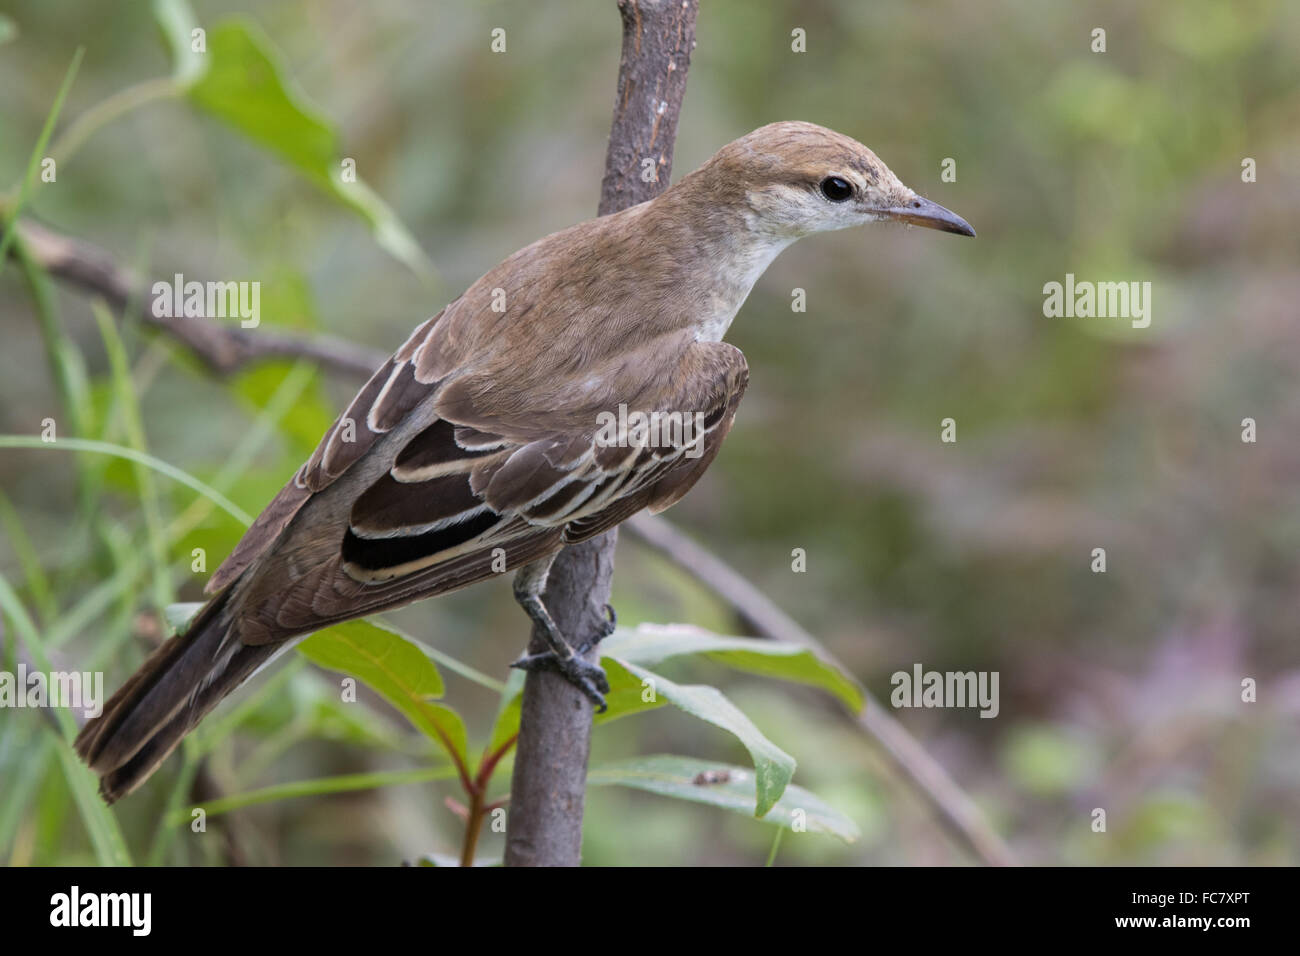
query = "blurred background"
x=1120 y=690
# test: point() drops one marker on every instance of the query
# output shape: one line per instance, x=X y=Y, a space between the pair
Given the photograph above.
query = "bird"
x=479 y=447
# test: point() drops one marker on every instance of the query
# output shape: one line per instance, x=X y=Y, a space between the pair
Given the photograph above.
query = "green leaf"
x=396 y=669
x=773 y=767
x=247 y=87
x=177 y=22
x=127 y=406
x=506 y=724
x=38 y=152
x=8 y=29
x=627 y=692
x=105 y=835
x=130 y=454
x=178 y=616
x=722 y=785
x=25 y=768
x=38 y=583
x=345 y=783
x=651 y=643
x=625 y=695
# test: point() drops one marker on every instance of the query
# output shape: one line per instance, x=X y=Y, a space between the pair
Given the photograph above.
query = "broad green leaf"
x=246 y=86
x=397 y=670
x=628 y=693
x=506 y=724
x=177 y=22
x=634 y=690
x=651 y=643
x=773 y=767
x=722 y=785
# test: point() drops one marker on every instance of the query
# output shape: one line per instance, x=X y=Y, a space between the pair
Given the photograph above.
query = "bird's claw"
x=587 y=677
x=609 y=624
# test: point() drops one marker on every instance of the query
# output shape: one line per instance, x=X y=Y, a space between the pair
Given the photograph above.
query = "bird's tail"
x=171 y=692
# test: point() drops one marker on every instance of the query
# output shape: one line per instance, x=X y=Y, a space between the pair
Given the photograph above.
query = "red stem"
x=476 y=789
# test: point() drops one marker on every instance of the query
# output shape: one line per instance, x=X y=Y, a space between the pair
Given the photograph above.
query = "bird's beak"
x=922 y=212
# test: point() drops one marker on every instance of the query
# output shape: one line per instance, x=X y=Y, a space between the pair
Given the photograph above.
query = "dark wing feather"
x=389 y=394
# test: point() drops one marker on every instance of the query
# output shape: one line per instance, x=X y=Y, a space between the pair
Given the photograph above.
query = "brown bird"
x=485 y=442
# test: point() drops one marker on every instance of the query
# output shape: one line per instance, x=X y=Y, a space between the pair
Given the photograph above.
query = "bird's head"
x=794 y=179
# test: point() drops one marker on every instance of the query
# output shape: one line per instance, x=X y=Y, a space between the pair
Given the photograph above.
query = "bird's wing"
x=466 y=489
x=384 y=401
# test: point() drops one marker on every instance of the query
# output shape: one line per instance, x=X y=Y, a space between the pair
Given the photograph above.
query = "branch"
x=223 y=349
x=955 y=810
x=550 y=776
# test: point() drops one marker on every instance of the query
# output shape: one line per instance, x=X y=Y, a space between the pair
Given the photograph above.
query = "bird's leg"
x=563 y=658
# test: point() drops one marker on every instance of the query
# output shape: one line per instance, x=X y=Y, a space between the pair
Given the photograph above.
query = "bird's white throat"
x=734 y=274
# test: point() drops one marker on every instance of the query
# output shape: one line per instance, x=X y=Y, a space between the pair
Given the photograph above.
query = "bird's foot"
x=570 y=664
x=587 y=677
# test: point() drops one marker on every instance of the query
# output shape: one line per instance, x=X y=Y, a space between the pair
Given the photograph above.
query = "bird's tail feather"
x=171 y=692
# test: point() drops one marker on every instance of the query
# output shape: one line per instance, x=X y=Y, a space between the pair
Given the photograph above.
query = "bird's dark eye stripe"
x=836 y=189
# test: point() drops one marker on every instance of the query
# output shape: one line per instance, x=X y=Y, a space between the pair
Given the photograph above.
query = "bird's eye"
x=836 y=189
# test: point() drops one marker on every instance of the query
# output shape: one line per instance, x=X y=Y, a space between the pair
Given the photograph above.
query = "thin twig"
x=548 y=786
x=953 y=807
x=223 y=349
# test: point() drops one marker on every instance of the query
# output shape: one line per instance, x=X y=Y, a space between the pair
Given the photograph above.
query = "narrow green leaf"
x=309 y=788
x=128 y=406
x=773 y=767
x=38 y=583
x=130 y=454
x=651 y=643
x=35 y=758
x=38 y=152
x=725 y=786
x=100 y=823
x=247 y=86
x=105 y=834
x=25 y=628
x=397 y=670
